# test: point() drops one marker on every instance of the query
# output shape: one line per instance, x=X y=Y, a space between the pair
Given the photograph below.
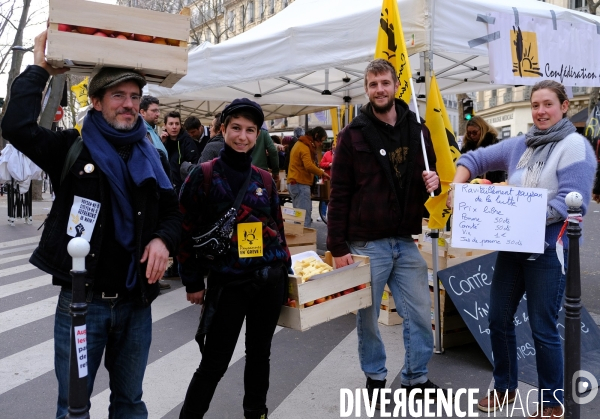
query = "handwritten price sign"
x=495 y=217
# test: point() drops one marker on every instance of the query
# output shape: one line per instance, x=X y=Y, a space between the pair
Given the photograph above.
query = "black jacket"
x=156 y=212
x=212 y=149
x=181 y=150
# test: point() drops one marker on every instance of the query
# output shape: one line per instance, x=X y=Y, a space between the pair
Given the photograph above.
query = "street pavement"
x=308 y=369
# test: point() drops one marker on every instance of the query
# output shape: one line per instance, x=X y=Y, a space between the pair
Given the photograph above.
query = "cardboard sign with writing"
x=468 y=285
x=493 y=217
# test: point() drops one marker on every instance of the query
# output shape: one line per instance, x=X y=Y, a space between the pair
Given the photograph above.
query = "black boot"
x=256 y=414
x=372 y=385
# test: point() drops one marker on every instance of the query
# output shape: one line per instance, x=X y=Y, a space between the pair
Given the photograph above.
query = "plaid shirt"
x=363 y=205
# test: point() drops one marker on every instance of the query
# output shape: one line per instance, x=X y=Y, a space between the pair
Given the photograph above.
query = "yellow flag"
x=446 y=153
x=81 y=92
x=335 y=127
x=391 y=46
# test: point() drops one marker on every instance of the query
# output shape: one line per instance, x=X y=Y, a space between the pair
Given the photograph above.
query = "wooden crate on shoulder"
x=84 y=54
x=305 y=316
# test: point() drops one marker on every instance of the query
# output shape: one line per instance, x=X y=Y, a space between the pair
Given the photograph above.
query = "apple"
x=108 y=32
x=292 y=303
x=120 y=36
x=308 y=303
x=329 y=297
x=86 y=30
x=173 y=42
x=161 y=41
x=102 y=34
x=320 y=300
x=64 y=28
x=348 y=291
x=481 y=181
x=142 y=38
x=360 y=287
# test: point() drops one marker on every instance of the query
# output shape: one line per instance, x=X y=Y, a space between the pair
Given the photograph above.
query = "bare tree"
x=209 y=15
x=7 y=9
x=17 y=57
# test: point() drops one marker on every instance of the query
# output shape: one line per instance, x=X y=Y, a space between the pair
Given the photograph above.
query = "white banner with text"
x=525 y=49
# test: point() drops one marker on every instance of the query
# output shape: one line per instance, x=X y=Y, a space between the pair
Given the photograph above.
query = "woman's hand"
x=450 y=200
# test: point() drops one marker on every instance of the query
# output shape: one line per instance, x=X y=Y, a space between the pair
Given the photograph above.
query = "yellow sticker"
x=250 y=240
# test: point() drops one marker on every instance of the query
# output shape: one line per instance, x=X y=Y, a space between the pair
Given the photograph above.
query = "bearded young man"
x=376 y=205
x=134 y=224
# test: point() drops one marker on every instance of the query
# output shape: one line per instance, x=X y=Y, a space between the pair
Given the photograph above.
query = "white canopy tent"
x=290 y=62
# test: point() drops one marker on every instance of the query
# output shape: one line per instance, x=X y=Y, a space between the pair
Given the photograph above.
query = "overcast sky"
x=40 y=17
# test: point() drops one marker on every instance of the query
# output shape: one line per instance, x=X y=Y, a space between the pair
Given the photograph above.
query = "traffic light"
x=467 y=109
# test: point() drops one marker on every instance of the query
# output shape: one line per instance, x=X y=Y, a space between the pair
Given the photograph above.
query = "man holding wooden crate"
x=113 y=192
x=376 y=204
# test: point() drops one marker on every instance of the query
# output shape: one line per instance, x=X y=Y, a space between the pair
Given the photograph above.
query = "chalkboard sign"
x=493 y=217
x=468 y=285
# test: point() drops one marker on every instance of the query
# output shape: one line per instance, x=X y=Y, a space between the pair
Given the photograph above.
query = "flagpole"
x=414 y=98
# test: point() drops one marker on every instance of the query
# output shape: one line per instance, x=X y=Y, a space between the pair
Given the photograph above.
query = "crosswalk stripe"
x=26 y=365
x=175 y=368
x=17 y=249
x=33 y=362
x=13 y=258
x=306 y=402
x=23 y=315
x=16 y=270
x=26 y=285
x=27 y=240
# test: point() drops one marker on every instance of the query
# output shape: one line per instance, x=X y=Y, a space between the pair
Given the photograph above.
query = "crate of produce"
x=326 y=296
x=86 y=35
x=388 y=315
x=293 y=221
x=447 y=255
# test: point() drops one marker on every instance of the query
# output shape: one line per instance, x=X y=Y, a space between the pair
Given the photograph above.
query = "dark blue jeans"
x=544 y=283
x=261 y=311
x=124 y=329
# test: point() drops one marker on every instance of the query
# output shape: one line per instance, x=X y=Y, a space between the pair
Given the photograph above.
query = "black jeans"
x=261 y=310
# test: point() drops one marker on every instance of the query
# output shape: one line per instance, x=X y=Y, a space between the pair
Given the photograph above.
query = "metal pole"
x=572 y=348
x=426 y=63
x=78 y=248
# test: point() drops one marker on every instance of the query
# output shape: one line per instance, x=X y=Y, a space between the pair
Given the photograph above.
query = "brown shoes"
x=496 y=400
x=555 y=412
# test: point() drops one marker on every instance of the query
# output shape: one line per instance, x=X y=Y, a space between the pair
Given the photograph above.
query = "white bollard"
x=78 y=248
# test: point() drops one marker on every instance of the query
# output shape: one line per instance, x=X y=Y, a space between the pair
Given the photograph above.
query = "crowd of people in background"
x=158 y=187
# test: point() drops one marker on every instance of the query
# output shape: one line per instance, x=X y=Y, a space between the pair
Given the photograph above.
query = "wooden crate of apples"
x=85 y=35
x=318 y=293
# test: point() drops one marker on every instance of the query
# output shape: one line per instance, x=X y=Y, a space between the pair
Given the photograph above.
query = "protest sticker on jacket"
x=250 y=240
x=83 y=217
x=524 y=50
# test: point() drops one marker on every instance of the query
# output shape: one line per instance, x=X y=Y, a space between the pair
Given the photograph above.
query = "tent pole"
x=426 y=66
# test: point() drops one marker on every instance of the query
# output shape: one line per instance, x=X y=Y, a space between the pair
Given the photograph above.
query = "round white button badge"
x=382 y=152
